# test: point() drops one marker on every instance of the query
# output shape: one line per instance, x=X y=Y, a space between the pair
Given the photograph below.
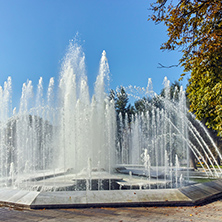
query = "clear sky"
x=35 y=34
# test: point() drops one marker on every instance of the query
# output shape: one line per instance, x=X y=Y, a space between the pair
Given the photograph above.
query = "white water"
x=77 y=132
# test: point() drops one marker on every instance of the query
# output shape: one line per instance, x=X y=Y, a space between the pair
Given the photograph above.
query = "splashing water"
x=82 y=136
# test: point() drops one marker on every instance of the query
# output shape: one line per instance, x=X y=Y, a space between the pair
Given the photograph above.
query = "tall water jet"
x=80 y=116
x=5 y=103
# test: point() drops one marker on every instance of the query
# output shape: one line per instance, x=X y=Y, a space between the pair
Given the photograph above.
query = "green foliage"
x=205 y=93
x=112 y=95
x=174 y=91
x=121 y=102
x=141 y=105
x=195 y=28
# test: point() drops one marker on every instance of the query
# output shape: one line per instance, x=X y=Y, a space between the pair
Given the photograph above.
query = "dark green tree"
x=122 y=102
x=174 y=90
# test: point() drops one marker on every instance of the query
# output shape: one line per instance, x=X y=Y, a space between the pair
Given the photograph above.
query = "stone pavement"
x=209 y=212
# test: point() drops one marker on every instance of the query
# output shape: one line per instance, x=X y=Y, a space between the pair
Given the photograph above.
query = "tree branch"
x=162 y=66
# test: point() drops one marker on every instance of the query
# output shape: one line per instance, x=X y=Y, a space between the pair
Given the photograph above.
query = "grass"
x=199 y=166
x=202 y=180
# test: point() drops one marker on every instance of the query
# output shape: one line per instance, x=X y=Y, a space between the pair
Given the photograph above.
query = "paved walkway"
x=208 y=212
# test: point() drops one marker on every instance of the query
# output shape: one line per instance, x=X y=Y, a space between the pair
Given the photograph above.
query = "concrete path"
x=206 y=213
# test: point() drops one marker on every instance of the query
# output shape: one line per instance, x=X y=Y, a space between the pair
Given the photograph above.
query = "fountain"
x=74 y=150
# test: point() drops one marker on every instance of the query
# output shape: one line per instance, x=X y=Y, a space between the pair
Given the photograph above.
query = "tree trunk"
x=192 y=160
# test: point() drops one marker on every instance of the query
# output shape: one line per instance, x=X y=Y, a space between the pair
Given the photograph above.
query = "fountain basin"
x=191 y=195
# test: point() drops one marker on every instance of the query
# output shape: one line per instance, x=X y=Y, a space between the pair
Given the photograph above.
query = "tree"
x=122 y=107
x=205 y=94
x=112 y=95
x=141 y=105
x=174 y=91
x=121 y=102
x=195 y=27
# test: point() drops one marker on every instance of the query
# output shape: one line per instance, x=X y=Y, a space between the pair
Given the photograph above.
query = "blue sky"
x=35 y=34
